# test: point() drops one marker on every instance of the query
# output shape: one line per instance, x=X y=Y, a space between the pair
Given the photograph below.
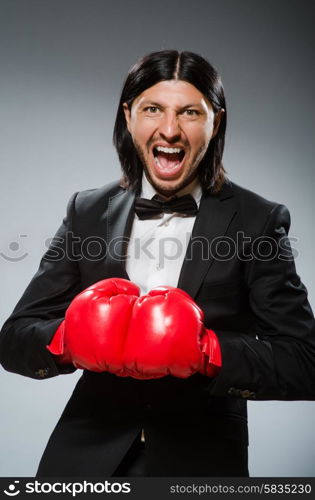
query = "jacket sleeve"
x=276 y=359
x=41 y=309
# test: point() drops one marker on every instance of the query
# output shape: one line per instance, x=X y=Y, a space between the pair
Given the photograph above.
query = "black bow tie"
x=147 y=209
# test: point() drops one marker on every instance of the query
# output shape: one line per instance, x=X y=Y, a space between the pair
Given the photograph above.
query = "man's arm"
x=41 y=309
x=277 y=359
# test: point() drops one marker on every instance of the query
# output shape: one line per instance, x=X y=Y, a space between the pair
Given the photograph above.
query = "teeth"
x=168 y=150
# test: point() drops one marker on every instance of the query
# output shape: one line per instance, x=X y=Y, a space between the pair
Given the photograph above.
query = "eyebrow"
x=193 y=105
x=152 y=103
x=147 y=102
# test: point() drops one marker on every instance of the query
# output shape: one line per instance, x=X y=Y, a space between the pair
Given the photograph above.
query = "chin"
x=169 y=187
x=166 y=186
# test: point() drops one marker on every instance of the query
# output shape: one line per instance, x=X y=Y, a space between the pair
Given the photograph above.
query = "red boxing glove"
x=93 y=333
x=167 y=337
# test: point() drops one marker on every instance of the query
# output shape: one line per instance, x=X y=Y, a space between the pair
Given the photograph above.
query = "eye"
x=191 y=112
x=151 y=109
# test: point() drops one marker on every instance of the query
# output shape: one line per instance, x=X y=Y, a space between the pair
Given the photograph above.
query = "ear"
x=127 y=114
x=216 y=122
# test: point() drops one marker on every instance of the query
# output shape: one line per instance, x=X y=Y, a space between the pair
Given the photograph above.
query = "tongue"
x=168 y=160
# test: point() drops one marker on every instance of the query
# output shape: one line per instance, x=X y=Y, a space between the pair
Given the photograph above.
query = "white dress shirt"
x=157 y=246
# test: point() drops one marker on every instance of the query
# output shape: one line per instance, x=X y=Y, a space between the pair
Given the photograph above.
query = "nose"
x=169 y=127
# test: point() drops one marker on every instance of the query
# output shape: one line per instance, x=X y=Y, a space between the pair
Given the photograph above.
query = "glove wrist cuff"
x=57 y=346
x=211 y=351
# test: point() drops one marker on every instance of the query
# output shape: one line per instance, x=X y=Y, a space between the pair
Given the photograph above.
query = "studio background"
x=62 y=67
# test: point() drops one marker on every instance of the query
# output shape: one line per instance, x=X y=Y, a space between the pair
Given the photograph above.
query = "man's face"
x=171 y=124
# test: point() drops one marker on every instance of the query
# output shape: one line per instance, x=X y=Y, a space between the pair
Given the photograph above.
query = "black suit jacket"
x=240 y=270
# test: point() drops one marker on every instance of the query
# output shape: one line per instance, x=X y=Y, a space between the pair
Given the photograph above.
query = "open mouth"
x=168 y=160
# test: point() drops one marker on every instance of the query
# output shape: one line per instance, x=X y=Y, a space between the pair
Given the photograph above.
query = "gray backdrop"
x=62 y=66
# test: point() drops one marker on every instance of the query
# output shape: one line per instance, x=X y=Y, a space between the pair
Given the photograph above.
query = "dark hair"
x=170 y=65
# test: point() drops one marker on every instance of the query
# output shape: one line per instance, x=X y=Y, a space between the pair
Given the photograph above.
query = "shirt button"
x=42 y=372
x=246 y=393
x=231 y=391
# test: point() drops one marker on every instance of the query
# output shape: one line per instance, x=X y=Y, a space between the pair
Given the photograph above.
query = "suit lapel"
x=214 y=217
x=119 y=222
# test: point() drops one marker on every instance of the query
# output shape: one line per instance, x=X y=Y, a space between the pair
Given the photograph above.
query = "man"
x=164 y=388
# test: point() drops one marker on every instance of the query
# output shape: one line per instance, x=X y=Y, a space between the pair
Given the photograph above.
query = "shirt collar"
x=193 y=188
